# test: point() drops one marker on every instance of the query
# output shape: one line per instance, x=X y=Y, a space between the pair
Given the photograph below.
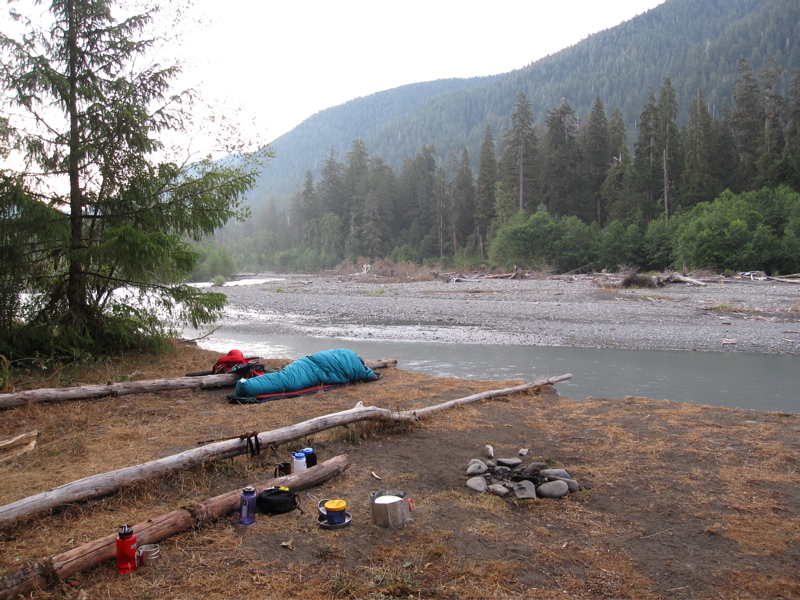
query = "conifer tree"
x=793 y=128
x=747 y=123
x=699 y=184
x=647 y=161
x=330 y=187
x=463 y=201
x=563 y=183
x=770 y=153
x=669 y=144
x=618 y=195
x=597 y=154
x=484 y=191
x=94 y=117
x=441 y=209
x=518 y=155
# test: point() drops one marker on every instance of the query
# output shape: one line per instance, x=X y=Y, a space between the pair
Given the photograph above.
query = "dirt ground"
x=678 y=500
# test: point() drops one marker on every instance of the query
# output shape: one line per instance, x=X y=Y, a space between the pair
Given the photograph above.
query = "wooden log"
x=103 y=484
x=88 y=392
x=59 y=567
x=23 y=442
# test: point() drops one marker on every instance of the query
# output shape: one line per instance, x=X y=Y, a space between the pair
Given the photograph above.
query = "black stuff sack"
x=277 y=500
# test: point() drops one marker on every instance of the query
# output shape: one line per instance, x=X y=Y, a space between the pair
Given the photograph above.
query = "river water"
x=750 y=381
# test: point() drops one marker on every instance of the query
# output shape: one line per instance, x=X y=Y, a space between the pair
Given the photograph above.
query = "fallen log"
x=23 y=442
x=675 y=277
x=103 y=484
x=89 y=392
x=59 y=567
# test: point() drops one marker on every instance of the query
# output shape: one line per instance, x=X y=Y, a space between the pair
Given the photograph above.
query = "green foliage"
x=108 y=257
x=741 y=232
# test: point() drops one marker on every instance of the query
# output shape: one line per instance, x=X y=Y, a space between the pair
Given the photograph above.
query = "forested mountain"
x=694 y=43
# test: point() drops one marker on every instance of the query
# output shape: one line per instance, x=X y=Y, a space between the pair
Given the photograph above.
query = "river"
x=749 y=381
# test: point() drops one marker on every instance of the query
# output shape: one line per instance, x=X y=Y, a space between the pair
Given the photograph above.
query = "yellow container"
x=335 y=509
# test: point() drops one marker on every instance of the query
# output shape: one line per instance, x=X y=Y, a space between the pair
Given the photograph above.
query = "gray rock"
x=553 y=489
x=523 y=451
x=509 y=462
x=560 y=473
x=524 y=489
x=497 y=489
x=489 y=451
x=477 y=467
x=477 y=483
x=535 y=466
x=490 y=464
x=571 y=483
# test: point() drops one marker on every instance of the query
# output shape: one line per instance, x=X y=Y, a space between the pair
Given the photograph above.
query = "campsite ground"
x=678 y=500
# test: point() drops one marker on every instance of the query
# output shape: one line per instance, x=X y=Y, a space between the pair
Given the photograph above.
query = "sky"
x=278 y=62
x=267 y=65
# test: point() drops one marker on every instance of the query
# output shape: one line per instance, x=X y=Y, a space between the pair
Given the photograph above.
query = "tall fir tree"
x=793 y=127
x=330 y=187
x=617 y=188
x=769 y=162
x=91 y=119
x=563 y=183
x=647 y=162
x=668 y=145
x=699 y=182
x=463 y=201
x=484 y=190
x=597 y=155
x=747 y=123
x=518 y=156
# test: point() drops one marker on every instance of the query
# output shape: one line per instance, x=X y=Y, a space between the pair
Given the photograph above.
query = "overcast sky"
x=281 y=61
x=270 y=64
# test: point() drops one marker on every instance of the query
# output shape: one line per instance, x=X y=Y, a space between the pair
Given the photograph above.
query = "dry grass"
x=681 y=501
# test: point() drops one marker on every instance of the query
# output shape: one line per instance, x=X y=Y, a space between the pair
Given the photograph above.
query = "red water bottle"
x=126 y=550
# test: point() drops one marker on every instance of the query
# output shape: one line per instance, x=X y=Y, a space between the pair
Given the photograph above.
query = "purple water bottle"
x=247 y=506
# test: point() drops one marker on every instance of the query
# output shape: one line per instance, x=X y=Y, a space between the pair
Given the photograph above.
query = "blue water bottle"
x=247 y=506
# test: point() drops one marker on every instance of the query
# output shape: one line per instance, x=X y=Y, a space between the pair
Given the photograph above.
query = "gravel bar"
x=729 y=316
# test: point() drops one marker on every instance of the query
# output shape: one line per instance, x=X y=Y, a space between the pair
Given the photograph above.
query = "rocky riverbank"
x=729 y=315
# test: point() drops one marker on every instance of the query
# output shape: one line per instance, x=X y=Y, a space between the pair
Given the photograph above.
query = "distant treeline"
x=565 y=195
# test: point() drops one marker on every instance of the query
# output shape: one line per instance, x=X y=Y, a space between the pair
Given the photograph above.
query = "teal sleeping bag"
x=337 y=366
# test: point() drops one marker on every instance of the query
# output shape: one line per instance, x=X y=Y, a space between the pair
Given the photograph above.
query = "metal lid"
x=249 y=490
x=125 y=531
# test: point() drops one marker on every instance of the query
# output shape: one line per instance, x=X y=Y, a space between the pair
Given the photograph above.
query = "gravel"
x=729 y=316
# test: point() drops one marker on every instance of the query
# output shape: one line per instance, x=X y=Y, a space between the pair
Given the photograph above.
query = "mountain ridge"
x=696 y=44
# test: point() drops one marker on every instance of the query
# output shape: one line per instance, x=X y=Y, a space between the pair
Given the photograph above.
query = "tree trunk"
x=66 y=564
x=105 y=483
x=138 y=387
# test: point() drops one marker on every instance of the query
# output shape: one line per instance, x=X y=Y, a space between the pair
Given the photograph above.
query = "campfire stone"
x=509 y=462
x=571 y=484
x=502 y=472
x=477 y=467
x=560 y=473
x=524 y=489
x=535 y=466
x=477 y=483
x=499 y=490
x=553 y=489
x=489 y=451
x=490 y=464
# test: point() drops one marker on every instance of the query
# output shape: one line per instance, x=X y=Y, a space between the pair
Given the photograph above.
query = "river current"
x=749 y=381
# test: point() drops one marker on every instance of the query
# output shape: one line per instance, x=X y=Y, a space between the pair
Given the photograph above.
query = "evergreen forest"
x=698 y=188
